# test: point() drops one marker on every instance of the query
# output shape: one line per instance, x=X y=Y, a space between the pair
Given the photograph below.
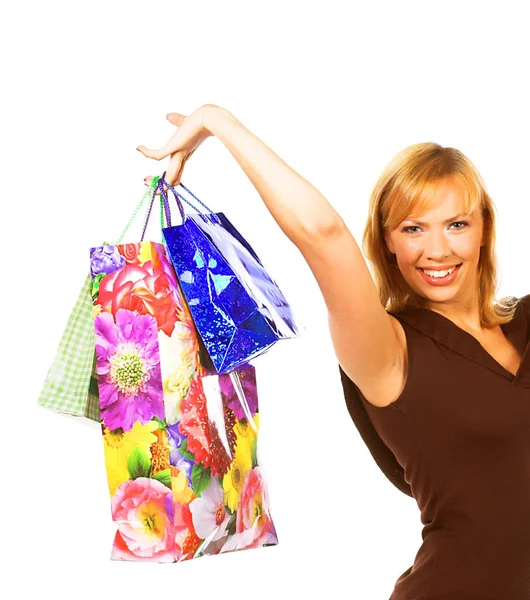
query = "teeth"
x=438 y=274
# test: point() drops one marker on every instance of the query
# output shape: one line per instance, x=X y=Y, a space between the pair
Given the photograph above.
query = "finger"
x=156 y=154
x=174 y=169
x=178 y=176
x=172 y=173
x=147 y=182
x=171 y=146
x=175 y=118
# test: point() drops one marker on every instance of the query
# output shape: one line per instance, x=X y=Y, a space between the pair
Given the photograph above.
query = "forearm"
x=298 y=207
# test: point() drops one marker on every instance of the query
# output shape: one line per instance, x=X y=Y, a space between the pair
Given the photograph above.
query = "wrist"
x=213 y=117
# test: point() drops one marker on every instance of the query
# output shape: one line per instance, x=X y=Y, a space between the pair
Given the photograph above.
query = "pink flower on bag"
x=254 y=526
x=143 y=509
x=140 y=289
x=130 y=252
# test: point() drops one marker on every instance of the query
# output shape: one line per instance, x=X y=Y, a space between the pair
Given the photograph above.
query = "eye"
x=465 y=223
x=409 y=227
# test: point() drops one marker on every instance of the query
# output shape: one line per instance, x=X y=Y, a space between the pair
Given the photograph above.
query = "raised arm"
x=298 y=207
x=363 y=335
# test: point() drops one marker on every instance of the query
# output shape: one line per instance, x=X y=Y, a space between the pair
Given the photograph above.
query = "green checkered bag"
x=67 y=386
x=71 y=384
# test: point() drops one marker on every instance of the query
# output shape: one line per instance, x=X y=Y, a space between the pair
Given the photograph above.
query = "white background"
x=336 y=89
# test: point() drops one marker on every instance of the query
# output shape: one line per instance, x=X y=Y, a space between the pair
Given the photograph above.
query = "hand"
x=189 y=136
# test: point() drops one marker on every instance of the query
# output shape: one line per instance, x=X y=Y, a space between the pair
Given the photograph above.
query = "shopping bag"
x=238 y=309
x=180 y=441
x=71 y=385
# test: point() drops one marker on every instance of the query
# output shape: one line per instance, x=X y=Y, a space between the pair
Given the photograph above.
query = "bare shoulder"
x=386 y=390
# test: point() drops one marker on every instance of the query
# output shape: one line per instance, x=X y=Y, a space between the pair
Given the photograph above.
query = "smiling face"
x=442 y=237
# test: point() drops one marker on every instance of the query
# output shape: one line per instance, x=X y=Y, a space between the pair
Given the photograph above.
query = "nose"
x=437 y=246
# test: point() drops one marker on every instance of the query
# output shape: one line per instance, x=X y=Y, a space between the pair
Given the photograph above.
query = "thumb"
x=175 y=118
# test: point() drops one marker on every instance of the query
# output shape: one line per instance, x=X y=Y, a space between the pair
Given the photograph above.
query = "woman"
x=436 y=374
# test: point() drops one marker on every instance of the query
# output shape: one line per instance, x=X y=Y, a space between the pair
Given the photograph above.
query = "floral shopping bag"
x=179 y=440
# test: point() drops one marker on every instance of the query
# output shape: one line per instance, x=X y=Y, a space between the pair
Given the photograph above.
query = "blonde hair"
x=406 y=189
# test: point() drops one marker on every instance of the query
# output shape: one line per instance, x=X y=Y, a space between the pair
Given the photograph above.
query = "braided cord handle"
x=158 y=182
x=151 y=190
x=179 y=199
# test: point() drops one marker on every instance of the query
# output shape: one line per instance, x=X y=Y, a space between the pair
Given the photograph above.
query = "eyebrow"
x=446 y=221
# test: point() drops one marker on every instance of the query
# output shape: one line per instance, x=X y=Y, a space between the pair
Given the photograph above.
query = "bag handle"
x=164 y=210
x=150 y=190
x=179 y=199
x=165 y=213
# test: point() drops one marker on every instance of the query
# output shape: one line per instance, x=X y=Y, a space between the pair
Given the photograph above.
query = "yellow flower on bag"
x=145 y=252
x=247 y=430
x=179 y=484
x=242 y=463
x=118 y=447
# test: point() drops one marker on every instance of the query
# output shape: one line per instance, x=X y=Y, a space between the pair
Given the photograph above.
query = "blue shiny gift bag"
x=238 y=310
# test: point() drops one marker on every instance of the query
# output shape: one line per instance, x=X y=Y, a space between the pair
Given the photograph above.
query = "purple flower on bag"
x=128 y=368
x=247 y=377
x=105 y=259
x=175 y=439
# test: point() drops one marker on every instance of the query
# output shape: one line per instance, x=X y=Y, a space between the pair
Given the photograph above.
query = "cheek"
x=408 y=251
x=467 y=247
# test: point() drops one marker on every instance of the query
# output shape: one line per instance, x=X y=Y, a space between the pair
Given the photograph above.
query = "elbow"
x=325 y=228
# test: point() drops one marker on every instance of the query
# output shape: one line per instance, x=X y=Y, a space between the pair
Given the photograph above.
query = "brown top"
x=458 y=440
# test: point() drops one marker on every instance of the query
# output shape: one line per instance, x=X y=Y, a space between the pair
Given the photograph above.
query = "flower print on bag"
x=128 y=368
x=187 y=542
x=254 y=526
x=105 y=260
x=210 y=517
x=138 y=288
x=180 y=442
x=244 y=401
x=144 y=512
x=211 y=443
x=241 y=464
x=179 y=355
x=118 y=446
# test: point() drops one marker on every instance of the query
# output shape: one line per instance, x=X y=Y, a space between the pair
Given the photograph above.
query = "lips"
x=439 y=281
x=438 y=268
